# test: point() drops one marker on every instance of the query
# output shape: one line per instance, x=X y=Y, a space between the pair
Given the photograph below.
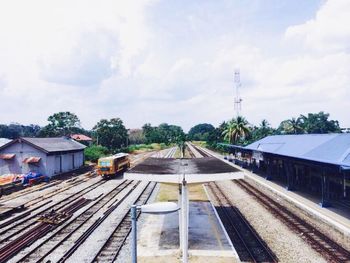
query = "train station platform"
x=158 y=237
x=338 y=219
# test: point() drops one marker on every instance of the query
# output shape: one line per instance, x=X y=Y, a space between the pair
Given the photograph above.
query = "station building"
x=311 y=163
x=48 y=156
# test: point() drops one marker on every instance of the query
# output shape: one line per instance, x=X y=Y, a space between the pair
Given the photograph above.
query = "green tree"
x=200 y=132
x=111 y=133
x=236 y=129
x=319 y=123
x=94 y=152
x=164 y=133
x=61 y=124
x=149 y=133
x=264 y=129
x=15 y=130
x=136 y=136
x=291 y=126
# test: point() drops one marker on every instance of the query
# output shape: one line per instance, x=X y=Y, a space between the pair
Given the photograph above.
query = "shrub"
x=94 y=152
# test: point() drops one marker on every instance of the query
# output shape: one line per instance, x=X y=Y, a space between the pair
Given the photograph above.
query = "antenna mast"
x=237 y=99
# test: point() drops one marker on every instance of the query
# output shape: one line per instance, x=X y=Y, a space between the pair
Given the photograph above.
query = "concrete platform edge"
x=340 y=227
x=222 y=226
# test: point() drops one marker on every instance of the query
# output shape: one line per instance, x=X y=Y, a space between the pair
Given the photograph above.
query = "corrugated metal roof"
x=57 y=144
x=327 y=148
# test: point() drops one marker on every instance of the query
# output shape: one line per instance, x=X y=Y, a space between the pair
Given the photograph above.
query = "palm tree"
x=264 y=124
x=292 y=126
x=236 y=128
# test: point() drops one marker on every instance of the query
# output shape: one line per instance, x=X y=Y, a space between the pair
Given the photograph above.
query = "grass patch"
x=200 y=143
x=139 y=148
x=169 y=192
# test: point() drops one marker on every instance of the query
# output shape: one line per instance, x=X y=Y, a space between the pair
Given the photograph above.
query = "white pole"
x=134 y=235
x=184 y=212
x=180 y=216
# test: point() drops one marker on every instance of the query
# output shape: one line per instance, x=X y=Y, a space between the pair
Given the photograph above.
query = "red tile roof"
x=32 y=160
x=7 y=156
x=80 y=137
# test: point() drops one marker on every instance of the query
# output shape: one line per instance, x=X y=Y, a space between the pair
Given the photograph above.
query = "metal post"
x=323 y=185
x=180 y=217
x=134 y=233
x=344 y=186
x=184 y=212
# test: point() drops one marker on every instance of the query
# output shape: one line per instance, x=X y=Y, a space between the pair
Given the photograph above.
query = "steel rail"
x=112 y=246
x=74 y=225
x=88 y=232
x=121 y=232
x=249 y=245
x=39 y=187
x=35 y=233
x=324 y=245
x=56 y=206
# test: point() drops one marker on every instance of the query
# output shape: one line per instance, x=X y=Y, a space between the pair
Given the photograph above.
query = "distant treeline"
x=113 y=135
x=16 y=130
x=239 y=131
x=110 y=134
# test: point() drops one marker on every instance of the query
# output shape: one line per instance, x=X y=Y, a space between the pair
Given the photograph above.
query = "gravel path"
x=317 y=223
x=287 y=246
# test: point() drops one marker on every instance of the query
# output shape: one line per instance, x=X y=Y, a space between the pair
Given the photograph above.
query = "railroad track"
x=12 y=234
x=193 y=151
x=37 y=232
x=39 y=187
x=73 y=182
x=112 y=246
x=38 y=200
x=79 y=223
x=325 y=246
x=170 y=153
x=192 y=155
x=203 y=153
x=20 y=223
x=249 y=246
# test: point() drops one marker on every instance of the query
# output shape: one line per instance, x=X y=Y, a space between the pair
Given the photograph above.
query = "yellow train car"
x=111 y=165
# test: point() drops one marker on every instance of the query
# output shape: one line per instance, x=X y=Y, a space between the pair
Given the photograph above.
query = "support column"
x=184 y=221
x=180 y=216
x=268 y=169
x=324 y=201
x=344 y=185
x=134 y=233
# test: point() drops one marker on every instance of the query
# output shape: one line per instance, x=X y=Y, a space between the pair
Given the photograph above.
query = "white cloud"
x=91 y=60
x=148 y=61
x=329 y=31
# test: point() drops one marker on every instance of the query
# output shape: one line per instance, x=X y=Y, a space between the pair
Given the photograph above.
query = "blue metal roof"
x=327 y=148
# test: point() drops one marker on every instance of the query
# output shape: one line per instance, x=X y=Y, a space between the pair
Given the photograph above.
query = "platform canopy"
x=175 y=171
x=183 y=172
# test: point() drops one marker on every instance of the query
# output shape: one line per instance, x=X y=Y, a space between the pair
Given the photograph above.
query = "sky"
x=152 y=61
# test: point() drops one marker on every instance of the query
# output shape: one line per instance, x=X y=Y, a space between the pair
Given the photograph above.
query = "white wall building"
x=49 y=156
